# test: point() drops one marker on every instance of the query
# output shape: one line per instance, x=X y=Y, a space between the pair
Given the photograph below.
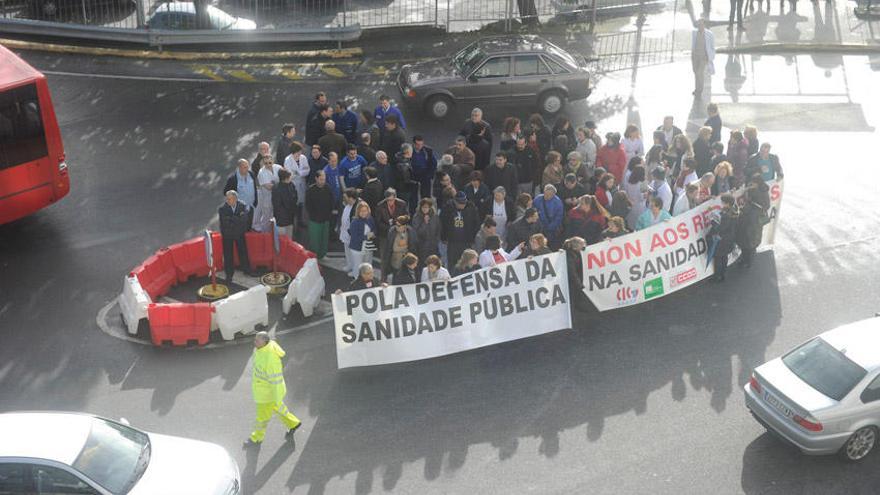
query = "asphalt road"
x=642 y=400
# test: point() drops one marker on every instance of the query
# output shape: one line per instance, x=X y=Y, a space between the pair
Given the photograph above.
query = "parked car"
x=52 y=452
x=823 y=396
x=517 y=68
x=182 y=15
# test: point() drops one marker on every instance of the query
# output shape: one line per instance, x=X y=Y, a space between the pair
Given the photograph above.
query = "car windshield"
x=219 y=19
x=468 y=58
x=562 y=55
x=114 y=456
x=824 y=368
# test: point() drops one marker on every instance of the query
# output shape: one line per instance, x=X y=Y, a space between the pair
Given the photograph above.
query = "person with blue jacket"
x=384 y=110
x=363 y=237
x=346 y=122
x=551 y=213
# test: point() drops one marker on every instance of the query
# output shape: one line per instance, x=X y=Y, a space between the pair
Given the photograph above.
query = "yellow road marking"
x=240 y=74
x=332 y=71
x=290 y=74
x=381 y=70
x=205 y=71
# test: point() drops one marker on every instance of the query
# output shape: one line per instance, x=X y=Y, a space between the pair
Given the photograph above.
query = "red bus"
x=33 y=173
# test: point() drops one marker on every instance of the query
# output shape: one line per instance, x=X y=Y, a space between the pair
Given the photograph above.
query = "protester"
x=284 y=204
x=587 y=220
x=500 y=208
x=702 y=55
x=536 y=246
x=319 y=207
x=458 y=226
x=298 y=165
x=681 y=150
x=349 y=200
x=386 y=213
x=384 y=171
x=632 y=142
x=346 y=122
x=571 y=191
x=476 y=124
x=401 y=241
x=511 y=131
x=525 y=160
x=367 y=125
x=616 y=228
x=553 y=172
x=233 y=215
x=718 y=155
x=385 y=110
x=542 y=136
x=407 y=189
x=703 y=150
x=562 y=127
x=480 y=146
x=655 y=214
x=551 y=212
x=765 y=163
x=477 y=192
x=362 y=236
x=714 y=121
x=424 y=167
x=620 y=204
x=408 y=273
x=469 y=262
x=316 y=162
x=523 y=203
x=282 y=145
x=365 y=148
x=686 y=201
x=522 y=229
x=668 y=130
x=262 y=152
x=586 y=148
x=426 y=224
x=605 y=190
x=636 y=189
x=434 y=271
x=659 y=188
x=244 y=182
x=318 y=103
x=574 y=247
x=612 y=157
x=267 y=177
x=501 y=174
x=494 y=254
x=365 y=279
x=487 y=229
x=704 y=193
x=316 y=125
x=750 y=132
x=351 y=168
x=723 y=235
x=687 y=175
x=268 y=389
x=750 y=227
x=372 y=192
x=723 y=173
x=393 y=138
x=442 y=181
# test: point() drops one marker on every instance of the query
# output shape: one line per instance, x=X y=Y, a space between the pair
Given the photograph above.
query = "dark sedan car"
x=519 y=69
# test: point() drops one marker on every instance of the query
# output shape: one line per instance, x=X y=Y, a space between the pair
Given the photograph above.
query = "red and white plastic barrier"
x=306 y=289
x=180 y=323
x=242 y=311
x=133 y=303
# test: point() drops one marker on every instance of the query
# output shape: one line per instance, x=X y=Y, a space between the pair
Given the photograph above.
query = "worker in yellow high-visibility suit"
x=269 y=389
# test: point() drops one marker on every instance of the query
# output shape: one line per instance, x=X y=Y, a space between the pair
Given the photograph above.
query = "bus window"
x=22 y=138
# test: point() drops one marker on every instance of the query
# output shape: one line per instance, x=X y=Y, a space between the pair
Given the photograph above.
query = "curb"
x=845 y=48
x=341 y=53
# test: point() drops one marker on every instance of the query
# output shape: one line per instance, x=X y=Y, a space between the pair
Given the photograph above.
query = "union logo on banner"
x=627 y=295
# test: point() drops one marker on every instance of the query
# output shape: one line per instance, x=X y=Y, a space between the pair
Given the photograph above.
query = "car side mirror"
x=472 y=78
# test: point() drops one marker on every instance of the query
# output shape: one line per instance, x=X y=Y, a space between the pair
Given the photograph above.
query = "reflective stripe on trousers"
x=264 y=415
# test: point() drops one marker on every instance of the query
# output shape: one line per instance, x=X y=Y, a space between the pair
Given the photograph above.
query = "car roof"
x=859 y=341
x=44 y=435
x=185 y=7
x=516 y=43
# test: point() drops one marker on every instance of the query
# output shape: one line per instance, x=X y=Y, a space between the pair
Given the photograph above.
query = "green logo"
x=653 y=288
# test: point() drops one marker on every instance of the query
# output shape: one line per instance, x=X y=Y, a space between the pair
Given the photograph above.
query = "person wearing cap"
x=501 y=209
x=401 y=241
x=550 y=210
x=502 y=174
x=458 y=226
x=234 y=222
x=571 y=191
x=268 y=389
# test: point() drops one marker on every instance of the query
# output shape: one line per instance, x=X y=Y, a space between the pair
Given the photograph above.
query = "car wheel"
x=551 y=102
x=860 y=444
x=439 y=106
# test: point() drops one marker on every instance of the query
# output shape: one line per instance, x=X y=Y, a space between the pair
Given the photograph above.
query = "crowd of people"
x=420 y=214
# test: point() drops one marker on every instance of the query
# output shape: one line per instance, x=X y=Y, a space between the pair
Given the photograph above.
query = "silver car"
x=49 y=452
x=823 y=396
x=517 y=69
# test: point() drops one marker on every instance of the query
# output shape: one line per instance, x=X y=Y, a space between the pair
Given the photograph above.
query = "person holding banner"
x=433 y=270
x=458 y=226
x=550 y=211
x=469 y=262
x=752 y=218
x=408 y=273
x=574 y=247
x=495 y=255
x=268 y=389
x=653 y=215
x=365 y=280
x=723 y=234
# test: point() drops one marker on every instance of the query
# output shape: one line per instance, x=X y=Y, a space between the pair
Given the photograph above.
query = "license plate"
x=775 y=402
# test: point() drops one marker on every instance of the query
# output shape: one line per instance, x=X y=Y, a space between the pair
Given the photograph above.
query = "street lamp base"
x=213 y=292
x=277 y=282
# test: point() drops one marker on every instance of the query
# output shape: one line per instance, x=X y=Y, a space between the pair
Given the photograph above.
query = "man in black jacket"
x=332 y=141
x=474 y=123
x=525 y=160
x=284 y=204
x=244 y=182
x=282 y=147
x=233 y=224
x=522 y=229
x=315 y=125
x=502 y=174
x=458 y=226
x=393 y=137
x=320 y=208
x=373 y=191
x=723 y=232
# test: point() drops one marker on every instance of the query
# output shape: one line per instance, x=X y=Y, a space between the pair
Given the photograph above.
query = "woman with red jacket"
x=605 y=190
x=587 y=220
x=612 y=157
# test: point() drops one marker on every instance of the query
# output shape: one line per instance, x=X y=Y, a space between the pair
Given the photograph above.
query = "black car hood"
x=429 y=72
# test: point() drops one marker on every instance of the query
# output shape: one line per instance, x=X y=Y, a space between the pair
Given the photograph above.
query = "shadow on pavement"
x=375 y=420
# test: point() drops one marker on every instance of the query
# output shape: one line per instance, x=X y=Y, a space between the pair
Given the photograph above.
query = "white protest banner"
x=402 y=323
x=661 y=259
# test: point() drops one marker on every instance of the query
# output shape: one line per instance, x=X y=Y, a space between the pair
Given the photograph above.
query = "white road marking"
x=136 y=78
